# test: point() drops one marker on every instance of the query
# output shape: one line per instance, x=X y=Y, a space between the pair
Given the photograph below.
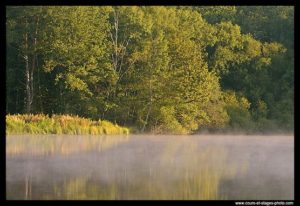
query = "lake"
x=150 y=167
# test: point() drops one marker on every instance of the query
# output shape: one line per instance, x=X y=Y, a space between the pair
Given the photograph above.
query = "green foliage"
x=169 y=123
x=216 y=14
x=157 y=69
x=238 y=111
x=240 y=119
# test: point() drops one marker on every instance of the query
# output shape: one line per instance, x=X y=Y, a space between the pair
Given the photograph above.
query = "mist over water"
x=233 y=167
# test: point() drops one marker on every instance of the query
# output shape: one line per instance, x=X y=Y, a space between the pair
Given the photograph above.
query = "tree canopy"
x=163 y=69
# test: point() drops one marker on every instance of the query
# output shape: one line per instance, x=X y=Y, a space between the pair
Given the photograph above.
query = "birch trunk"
x=27 y=71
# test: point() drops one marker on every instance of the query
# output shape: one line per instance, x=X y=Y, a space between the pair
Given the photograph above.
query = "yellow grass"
x=60 y=124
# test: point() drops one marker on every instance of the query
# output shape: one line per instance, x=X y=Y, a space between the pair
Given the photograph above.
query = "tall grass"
x=59 y=124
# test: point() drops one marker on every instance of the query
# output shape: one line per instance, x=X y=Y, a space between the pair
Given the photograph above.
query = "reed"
x=60 y=124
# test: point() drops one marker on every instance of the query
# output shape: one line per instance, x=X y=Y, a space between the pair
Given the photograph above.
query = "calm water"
x=198 y=167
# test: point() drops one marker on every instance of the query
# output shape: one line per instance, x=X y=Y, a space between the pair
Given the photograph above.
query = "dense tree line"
x=161 y=69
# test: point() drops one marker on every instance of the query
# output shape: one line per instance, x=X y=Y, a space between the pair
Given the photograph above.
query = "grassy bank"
x=59 y=124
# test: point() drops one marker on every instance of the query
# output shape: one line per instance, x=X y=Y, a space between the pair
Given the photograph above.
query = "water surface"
x=201 y=167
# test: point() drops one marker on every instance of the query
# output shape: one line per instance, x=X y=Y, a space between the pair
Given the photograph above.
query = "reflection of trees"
x=82 y=188
x=64 y=144
x=28 y=186
x=198 y=169
x=182 y=169
x=185 y=171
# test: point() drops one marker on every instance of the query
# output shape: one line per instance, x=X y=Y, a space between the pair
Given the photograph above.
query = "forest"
x=157 y=69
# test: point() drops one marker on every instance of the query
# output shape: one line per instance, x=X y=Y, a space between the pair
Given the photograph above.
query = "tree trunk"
x=120 y=45
x=34 y=59
x=27 y=71
x=150 y=98
x=30 y=64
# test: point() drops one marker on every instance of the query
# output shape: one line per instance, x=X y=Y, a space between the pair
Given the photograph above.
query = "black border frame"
x=131 y=2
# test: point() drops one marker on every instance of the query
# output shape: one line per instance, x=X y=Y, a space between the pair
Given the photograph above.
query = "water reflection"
x=59 y=144
x=150 y=167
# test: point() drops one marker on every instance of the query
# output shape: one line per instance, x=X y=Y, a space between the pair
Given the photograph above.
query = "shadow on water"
x=150 y=167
